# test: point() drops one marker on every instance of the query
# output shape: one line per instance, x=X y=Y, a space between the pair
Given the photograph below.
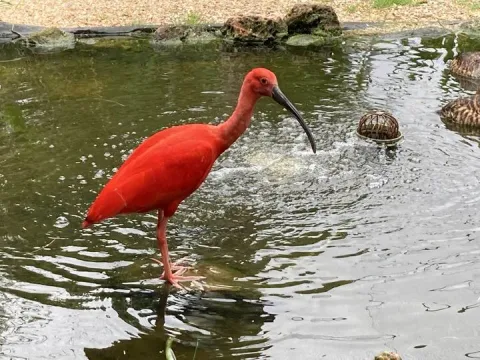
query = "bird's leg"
x=168 y=275
x=176 y=266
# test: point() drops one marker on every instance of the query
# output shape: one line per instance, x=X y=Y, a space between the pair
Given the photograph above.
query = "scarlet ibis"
x=169 y=166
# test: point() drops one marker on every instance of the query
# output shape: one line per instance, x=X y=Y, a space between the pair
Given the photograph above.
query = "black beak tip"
x=280 y=98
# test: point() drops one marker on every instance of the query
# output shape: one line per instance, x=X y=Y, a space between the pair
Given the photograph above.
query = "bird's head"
x=263 y=82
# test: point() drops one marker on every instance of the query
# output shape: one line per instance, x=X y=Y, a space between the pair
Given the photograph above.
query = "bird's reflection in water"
x=205 y=324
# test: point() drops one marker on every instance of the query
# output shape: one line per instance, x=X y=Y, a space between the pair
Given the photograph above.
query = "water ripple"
x=353 y=245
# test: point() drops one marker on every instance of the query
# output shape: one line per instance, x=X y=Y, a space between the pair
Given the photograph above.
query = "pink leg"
x=168 y=275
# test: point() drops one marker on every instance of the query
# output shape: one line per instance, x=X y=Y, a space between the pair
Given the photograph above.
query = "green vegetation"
x=380 y=4
x=169 y=354
x=471 y=4
x=352 y=8
x=193 y=18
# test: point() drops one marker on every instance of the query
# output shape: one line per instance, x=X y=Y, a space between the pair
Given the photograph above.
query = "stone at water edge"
x=313 y=19
x=201 y=38
x=306 y=40
x=50 y=39
x=173 y=35
x=254 y=30
x=388 y=355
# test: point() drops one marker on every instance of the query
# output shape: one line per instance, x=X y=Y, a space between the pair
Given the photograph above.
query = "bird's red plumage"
x=160 y=173
x=171 y=164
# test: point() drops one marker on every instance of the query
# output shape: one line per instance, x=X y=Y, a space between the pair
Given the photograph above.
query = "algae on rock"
x=254 y=30
x=306 y=40
x=176 y=35
x=49 y=39
x=312 y=25
x=313 y=18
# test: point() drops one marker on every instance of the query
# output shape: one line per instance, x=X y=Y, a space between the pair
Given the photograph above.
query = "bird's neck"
x=240 y=119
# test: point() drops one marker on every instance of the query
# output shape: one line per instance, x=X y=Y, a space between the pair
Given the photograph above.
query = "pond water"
x=337 y=255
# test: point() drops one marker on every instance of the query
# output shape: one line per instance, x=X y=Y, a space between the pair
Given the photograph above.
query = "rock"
x=185 y=34
x=388 y=355
x=171 y=35
x=124 y=43
x=313 y=19
x=311 y=41
x=6 y=34
x=306 y=40
x=201 y=38
x=48 y=40
x=254 y=30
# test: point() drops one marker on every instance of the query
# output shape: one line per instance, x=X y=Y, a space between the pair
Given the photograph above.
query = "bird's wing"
x=156 y=138
x=165 y=173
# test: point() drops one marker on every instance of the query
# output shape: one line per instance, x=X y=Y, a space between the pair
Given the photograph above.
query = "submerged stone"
x=313 y=19
x=124 y=43
x=50 y=39
x=306 y=40
x=201 y=38
x=253 y=30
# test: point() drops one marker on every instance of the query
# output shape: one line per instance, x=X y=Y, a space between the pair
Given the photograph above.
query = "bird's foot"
x=177 y=271
x=175 y=279
x=175 y=267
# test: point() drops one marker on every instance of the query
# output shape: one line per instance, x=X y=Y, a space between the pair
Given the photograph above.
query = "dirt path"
x=72 y=13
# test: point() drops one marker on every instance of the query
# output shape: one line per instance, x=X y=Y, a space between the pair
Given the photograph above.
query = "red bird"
x=169 y=166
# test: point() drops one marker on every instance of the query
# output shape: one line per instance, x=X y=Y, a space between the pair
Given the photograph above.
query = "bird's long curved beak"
x=280 y=98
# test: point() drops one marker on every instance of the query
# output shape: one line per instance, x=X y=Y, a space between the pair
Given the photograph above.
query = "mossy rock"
x=124 y=43
x=201 y=38
x=184 y=34
x=312 y=19
x=311 y=41
x=50 y=39
x=171 y=33
x=472 y=26
x=306 y=40
x=388 y=355
x=253 y=30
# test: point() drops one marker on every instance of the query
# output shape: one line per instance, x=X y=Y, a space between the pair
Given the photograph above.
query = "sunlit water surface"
x=337 y=255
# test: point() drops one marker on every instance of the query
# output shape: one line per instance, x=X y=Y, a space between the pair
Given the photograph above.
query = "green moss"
x=48 y=34
x=306 y=40
x=127 y=44
x=380 y=4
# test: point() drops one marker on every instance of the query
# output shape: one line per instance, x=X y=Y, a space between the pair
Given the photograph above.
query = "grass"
x=193 y=18
x=380 y=4
x=472 y=5
x=351 y=9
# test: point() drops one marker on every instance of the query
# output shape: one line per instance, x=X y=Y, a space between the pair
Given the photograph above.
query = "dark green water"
x=337 y=255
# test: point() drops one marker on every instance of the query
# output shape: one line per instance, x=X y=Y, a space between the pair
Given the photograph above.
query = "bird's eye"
x=264 y=81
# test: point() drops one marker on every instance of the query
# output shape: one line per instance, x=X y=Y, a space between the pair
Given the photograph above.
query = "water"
x=337 y=255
